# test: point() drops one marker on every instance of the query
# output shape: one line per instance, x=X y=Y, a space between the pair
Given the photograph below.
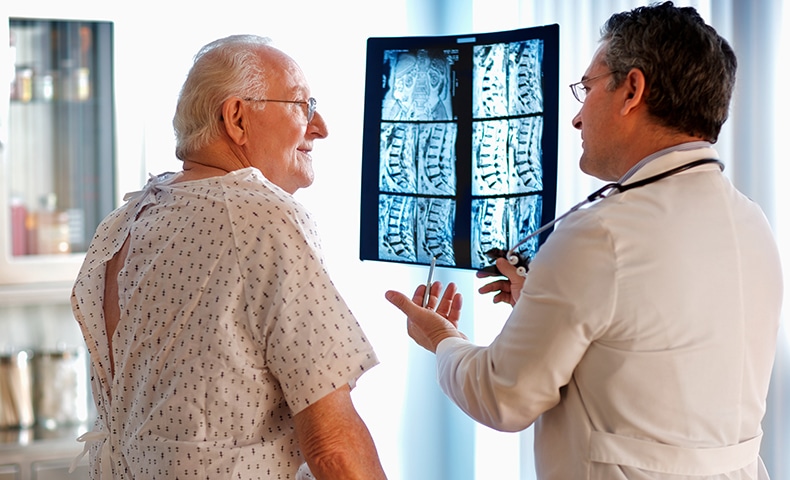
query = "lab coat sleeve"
x=567 y=301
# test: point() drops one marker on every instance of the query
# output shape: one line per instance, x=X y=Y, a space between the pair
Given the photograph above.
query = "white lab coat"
x=643 y=341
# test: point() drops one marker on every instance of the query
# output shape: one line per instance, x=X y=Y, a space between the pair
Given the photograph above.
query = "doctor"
x=641 y=341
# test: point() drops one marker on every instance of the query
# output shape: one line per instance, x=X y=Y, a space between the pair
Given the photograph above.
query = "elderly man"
x=642 y=339
x=219 y=346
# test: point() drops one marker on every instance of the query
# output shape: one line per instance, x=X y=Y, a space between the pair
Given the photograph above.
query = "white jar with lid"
x=61 y=388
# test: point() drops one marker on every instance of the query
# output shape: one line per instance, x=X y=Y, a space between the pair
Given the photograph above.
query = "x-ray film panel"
x=489 y=81
x=525 y=156
x=436 y=158
x=420 y=85
x=489 y=228
x=489 y=158
x=525 y=89
x=397 y=228
x=435 y=230
x=459 y=145
x=523 y=218
x=397 y=169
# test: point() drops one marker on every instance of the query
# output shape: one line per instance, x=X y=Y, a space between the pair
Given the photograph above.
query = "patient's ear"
x=234 y=118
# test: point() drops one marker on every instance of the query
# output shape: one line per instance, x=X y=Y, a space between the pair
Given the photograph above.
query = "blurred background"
x=418 y=432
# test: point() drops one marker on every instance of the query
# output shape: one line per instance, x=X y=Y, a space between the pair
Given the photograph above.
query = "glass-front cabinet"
x=58 y=179
x=57 y=146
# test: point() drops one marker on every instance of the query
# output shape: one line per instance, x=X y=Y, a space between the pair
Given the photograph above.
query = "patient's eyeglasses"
x=310 y=103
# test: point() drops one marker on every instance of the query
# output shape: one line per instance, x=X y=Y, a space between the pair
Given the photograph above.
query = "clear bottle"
x=61 y=389
x=16 y=390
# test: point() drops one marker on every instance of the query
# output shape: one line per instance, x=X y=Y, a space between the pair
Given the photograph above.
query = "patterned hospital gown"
x=229 y=325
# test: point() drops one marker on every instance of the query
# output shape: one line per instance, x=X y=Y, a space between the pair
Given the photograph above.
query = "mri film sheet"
x=507 y=79
x=397 y=228
x=489 y=158
x=418 y=158
x=397 y=168
x=524 y=156
x=436 y=158
x=507 y=111
x=523 y=218
x=506 y=156
x=459 y=145
x=525 y=88
x=500 y=222
x=418 y=85
x=435 y=230
x=415 y=229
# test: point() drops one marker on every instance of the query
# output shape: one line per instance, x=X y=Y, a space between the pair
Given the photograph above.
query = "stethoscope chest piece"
x=517 y=259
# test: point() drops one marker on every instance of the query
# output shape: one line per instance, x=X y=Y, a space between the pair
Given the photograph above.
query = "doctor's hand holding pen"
x=434 y=322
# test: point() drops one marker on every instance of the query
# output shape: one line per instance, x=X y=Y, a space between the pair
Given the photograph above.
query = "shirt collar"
x=682 y=147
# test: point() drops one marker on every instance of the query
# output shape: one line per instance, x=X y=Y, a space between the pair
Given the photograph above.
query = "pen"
x=429 y=282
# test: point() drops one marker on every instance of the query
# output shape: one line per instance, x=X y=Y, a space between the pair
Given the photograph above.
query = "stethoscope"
x=521 y=262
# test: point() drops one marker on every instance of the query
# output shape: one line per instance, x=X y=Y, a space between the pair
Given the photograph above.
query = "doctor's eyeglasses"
x=579 y=89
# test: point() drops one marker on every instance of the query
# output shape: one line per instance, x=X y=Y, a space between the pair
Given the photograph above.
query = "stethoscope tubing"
x=604 y=192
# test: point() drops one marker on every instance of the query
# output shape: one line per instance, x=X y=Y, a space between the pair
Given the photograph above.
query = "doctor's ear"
x=635 y=86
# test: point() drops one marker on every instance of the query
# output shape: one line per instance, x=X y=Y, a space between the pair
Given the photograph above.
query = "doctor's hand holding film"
x=436 y=321
x=507 y=289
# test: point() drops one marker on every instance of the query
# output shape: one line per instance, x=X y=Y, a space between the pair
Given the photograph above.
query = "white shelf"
x=35 y=294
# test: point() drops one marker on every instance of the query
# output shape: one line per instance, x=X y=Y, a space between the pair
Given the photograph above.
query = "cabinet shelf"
x=42 y=454
x=14 y=438
x=56 y=101
x=43 y=293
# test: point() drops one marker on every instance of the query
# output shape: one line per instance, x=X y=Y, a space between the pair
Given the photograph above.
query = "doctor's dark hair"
x=689 y=69
x=223 y=68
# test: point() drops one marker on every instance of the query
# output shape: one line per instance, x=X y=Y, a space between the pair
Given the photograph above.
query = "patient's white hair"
x=223 y=68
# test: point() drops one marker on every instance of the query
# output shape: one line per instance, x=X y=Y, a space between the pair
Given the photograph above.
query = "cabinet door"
x=58 y=153
x=58 y=470
x=10 y=472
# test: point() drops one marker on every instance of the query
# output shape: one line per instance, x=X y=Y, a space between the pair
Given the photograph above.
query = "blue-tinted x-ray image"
x=525 y=82
x=489 y=81
x=419 y=85
x=397 y=169
x=459 y=145
x=415 y=229
x=525 y=155
x=490 y=158
x=501 y=222
x=436 y=158
x=507 y=79
x=507 y=156
x=489 y=229
x=523 y=218
x=435 y=230
x=397 y=228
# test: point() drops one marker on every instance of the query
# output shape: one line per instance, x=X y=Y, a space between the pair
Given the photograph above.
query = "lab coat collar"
x=669 y=158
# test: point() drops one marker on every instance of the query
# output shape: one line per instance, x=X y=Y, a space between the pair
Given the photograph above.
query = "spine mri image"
x=460 y=156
